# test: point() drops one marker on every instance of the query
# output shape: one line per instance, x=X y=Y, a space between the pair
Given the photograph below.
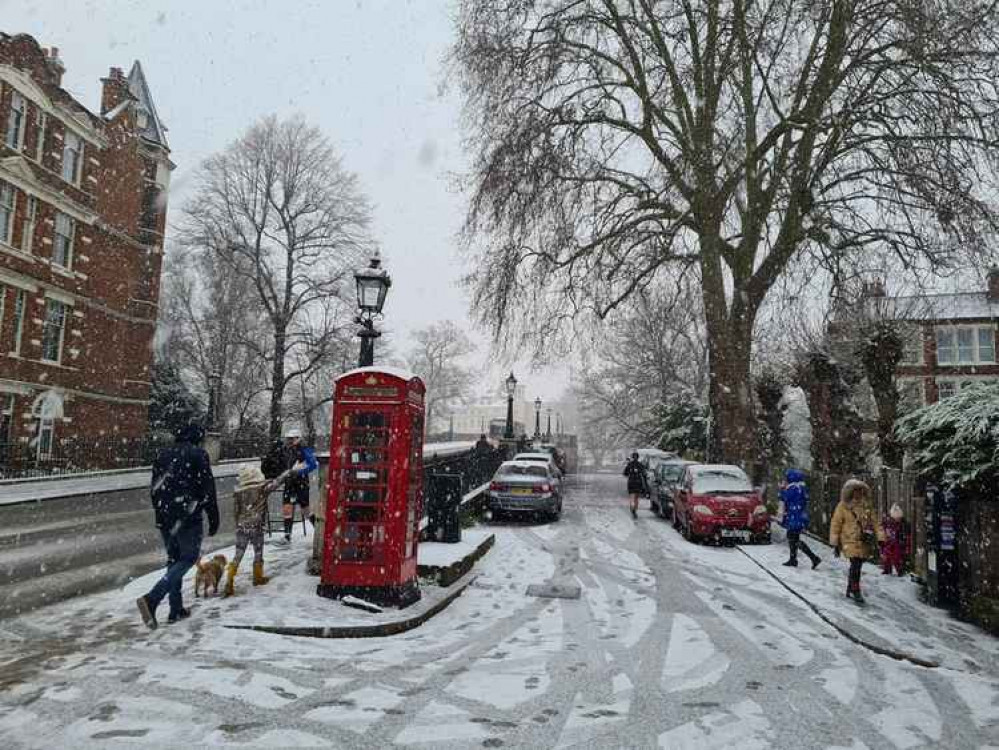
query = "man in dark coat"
x=182 y=489
x=635 y=473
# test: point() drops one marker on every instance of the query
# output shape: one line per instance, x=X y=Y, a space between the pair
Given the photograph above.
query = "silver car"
x=525 y=487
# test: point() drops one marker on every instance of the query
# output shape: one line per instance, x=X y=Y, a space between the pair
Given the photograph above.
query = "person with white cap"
x=250 y=510
x=296 y=488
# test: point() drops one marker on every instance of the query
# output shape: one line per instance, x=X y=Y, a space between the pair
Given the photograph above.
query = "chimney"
x=114 y=90
x=993 y=291
x=55 y=65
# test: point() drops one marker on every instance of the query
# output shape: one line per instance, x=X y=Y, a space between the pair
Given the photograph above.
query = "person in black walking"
x=636 y=481
x=182 y=489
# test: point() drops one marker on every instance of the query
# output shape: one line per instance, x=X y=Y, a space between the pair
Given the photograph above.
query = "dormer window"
x=72 y=157
x=142 y=118
x=15 y=121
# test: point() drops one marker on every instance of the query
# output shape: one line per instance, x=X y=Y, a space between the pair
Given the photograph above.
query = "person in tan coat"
x=854 y=531
x=250 y=510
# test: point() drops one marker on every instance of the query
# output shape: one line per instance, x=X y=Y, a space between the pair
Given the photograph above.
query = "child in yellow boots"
x=250 y=508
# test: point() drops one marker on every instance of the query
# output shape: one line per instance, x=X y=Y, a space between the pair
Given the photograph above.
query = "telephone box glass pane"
x=364 y=485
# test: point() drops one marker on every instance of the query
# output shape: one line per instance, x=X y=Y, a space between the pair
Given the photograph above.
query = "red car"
x=717 y=501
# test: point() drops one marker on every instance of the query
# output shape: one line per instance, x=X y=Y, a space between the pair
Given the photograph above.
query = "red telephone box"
x=375 y=485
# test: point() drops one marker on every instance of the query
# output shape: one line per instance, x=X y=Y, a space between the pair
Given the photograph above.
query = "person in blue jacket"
x=296 y=488
x=794 y=518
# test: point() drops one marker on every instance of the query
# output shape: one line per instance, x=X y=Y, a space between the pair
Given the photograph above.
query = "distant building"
x=952 y=342
x=82 y=218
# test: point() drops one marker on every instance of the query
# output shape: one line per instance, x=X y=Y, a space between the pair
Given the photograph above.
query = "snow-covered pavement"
x=670 y=645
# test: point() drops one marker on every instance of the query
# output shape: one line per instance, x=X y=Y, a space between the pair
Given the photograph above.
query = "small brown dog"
x=209 y=574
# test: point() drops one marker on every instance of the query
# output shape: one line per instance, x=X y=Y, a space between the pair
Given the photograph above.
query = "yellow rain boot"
x=259 y=579
x=230 y=578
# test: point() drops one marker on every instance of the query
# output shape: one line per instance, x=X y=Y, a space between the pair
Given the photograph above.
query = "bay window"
x=965 y=345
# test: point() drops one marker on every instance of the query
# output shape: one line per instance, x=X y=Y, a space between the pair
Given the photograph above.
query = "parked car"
x=650 y=458
x=717 y=501
x=543 y=458
x=525 y=487
x=557 y=455
x=668 y=476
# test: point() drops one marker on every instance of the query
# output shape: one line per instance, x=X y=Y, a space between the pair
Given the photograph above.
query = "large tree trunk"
x=733 y=433
x=277 y=383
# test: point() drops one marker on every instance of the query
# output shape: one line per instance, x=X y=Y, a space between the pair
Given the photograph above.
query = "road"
x=670 y=645
x=57 y=549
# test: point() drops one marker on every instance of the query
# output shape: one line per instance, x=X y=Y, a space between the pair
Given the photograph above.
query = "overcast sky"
x=368 y=72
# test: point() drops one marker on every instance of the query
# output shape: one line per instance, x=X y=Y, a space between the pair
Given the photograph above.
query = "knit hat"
x=895 y=512
x=250 y=476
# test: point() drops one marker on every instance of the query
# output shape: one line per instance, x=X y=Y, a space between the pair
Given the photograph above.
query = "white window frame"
x=49 y=305
x=75 y=166
x=955 y=332
x=6 y=417
x=18 y=112
x=28 y=227
x=44 y=437
x=20 y=310
x=912 y=343
x=43 y=124
x=63 y=243
x=7 y=233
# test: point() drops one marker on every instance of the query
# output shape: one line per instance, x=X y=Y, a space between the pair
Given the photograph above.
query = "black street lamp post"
x=214 y=384
x=511 y=391
x=537 y=418
x=549 y=431
x=373 y=284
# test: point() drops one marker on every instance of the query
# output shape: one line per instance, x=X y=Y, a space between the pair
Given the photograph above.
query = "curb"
x=896 y=655
x=445 y=575
x=361 y=631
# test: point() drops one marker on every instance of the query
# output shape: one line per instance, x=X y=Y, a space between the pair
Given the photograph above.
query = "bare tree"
x=279 y=209
x=649 y=360
x=208 y=315
x=613 y=138
x=437 y=357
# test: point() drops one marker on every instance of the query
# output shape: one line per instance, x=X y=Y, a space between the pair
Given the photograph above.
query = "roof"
x=397 y=372
x=929 y=307
x=154 y=129
x=655 y=452
x=526 y=456
x=520 y=464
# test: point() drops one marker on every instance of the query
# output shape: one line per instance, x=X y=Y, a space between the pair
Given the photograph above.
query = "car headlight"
x=704 y=510
x=759 y=510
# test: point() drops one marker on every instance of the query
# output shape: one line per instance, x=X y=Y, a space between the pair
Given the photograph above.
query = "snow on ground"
x=442 y=555
x=670 y=645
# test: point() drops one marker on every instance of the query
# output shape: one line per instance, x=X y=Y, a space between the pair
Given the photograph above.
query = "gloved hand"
x=836 y=551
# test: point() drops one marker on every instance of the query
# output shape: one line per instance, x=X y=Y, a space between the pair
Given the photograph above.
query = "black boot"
x=288 y=524
x=792 y=563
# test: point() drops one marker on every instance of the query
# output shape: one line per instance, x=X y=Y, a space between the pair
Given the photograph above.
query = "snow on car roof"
x=530 y=456
x=518 y=464
x=716 y=469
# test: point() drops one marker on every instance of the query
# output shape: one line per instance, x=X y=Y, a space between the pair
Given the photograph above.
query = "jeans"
x=183 y=549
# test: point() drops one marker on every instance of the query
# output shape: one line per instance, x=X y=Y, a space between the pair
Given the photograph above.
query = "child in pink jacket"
x=893 y=546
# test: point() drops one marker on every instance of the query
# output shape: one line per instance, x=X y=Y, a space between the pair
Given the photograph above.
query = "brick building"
x=951 y=340
x=82 y=218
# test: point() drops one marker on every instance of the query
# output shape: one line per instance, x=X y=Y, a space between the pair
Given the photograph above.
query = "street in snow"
x=670 y=645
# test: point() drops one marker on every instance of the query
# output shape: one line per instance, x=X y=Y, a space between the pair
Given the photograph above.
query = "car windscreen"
x=720 y=482
x=532 y=471
x=671 y=472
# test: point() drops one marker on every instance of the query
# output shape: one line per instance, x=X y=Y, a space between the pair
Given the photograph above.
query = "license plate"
x=735 y=534
x=521 y=492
